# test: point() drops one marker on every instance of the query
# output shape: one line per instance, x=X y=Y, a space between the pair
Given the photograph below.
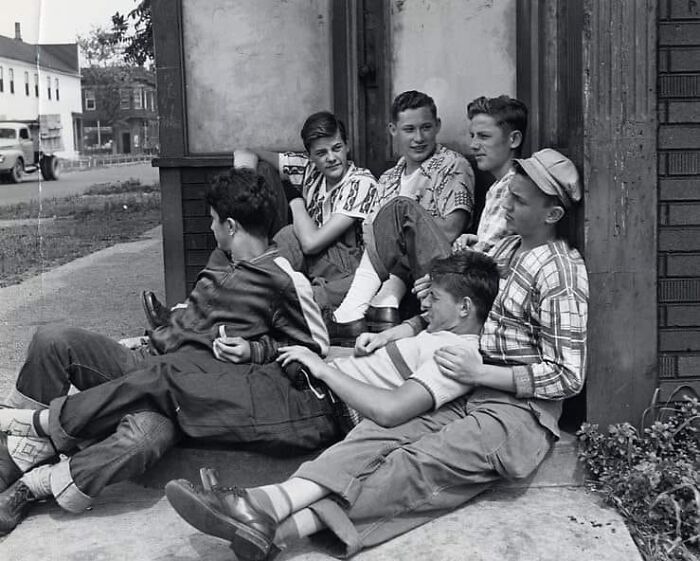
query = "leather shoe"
x=344 y=334
x=14 y=504
x=227 y=514
x=156 y=313
x=379 y=319
x=9 y=472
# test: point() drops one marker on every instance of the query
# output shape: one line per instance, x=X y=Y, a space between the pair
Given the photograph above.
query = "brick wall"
x=679 y=195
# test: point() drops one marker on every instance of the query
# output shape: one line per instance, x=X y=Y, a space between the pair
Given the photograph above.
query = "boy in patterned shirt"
x=329 y=198
x=433 y=178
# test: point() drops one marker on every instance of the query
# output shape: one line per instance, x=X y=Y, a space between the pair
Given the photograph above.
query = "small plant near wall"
x=652 y=477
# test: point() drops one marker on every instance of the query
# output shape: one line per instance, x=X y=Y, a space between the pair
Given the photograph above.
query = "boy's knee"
x=150 y=432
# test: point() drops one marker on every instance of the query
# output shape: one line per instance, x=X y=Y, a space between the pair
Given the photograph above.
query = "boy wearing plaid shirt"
x=381 y=482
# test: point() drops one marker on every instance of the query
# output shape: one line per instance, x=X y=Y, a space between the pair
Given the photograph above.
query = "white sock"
x=282 y=499
x=364 y=286
x=39 y=481
x=299 y=525
x=390 y=294
x=28 y=451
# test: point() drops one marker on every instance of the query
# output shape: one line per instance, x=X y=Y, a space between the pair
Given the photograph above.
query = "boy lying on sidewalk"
x=395 y=377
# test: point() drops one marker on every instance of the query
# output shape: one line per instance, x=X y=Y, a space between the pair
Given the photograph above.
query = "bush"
x=652 y=479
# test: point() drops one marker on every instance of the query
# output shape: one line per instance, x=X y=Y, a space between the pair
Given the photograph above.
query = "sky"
x=58 y=21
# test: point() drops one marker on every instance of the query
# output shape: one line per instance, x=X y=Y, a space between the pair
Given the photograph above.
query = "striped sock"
x=28 y=451
x=283 y=499
x=23 y=422
x=299 y=525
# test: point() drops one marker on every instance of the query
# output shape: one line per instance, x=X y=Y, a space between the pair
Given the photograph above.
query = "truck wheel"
x=49 y=168
x=17 y=171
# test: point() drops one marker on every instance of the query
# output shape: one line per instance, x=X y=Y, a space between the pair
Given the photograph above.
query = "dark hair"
x=510 y=113
x=246 y=197
x=321 y=125
x=412 y=99
x=468 y=273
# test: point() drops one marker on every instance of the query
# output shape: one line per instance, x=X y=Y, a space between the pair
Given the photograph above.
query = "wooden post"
x=620 y=211
x=172 y=126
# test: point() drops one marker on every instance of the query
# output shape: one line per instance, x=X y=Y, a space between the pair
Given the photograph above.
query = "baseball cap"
x=554 y=174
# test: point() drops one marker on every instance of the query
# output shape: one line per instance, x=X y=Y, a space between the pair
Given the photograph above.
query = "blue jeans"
x=392 y=480
x=330 y=271
x=59 y=357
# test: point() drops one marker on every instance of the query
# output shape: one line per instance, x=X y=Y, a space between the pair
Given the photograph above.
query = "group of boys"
x=451 y=400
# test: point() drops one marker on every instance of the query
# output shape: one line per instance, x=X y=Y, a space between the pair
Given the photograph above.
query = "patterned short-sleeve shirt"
x=354 y=195
x=445 y=183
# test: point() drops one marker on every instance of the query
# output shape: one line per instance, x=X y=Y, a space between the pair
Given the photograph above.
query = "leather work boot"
x=227 y=514
x=344 y=334
x=14 y=504
x=9 y=472
x=156 y=313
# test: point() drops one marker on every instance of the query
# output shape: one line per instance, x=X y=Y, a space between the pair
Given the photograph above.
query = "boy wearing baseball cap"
x=381 y=482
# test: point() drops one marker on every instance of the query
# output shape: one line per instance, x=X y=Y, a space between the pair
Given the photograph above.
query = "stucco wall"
x=22 y=106
x=254 y=70
x=454 y=50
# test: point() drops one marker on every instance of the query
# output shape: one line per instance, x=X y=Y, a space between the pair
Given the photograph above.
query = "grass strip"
x=71 y=227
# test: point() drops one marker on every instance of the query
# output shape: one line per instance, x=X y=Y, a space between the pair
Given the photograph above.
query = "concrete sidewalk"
x=551 y=517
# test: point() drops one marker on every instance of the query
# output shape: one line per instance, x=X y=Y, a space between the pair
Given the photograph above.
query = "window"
x=55 y=86
x=2 y=81
x=12 y=80
x=48 y=86
x=89 y=100
x=124 y=99
x=138 y=99
x=24 y=134
x=26 y=83
x=149 y=100
x=36 y=85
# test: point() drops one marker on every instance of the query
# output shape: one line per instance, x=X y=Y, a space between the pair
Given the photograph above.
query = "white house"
x=42 y=80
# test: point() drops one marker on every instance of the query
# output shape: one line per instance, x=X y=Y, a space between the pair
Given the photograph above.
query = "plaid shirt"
x=538 y=321
x=445 y=184
x=492 y=224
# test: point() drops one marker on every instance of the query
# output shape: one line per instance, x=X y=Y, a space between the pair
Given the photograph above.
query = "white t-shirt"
x=412 y=359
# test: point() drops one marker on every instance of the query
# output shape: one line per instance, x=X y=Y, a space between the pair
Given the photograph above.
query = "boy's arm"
x=453 y=224
x=313 y=238
x=387 y=408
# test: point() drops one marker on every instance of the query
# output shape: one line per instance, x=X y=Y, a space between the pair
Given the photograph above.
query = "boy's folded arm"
x=386 y=407
x=313 y=238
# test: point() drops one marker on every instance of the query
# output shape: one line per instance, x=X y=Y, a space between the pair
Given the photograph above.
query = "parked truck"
x=28 y=146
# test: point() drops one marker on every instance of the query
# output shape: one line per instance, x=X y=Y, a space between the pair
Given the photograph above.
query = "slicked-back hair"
x=244 y=196
x=509 y=113
x=321 y=125
x=412 y=99
x=468 y=273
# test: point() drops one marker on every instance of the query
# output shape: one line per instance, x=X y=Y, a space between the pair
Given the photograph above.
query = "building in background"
x=42 y=82
x=119 y=108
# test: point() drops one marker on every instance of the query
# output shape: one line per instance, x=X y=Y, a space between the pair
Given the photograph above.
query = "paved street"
x=73 y=182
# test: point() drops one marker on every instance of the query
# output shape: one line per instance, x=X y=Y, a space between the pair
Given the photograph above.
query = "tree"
x=137 y=43
x=101 y=47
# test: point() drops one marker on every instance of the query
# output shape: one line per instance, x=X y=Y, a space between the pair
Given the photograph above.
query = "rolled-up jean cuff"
x=347 y=490
x=17 y=400
x=337 y=521
x=373 y=254
x=63 y=441
x=67 y=494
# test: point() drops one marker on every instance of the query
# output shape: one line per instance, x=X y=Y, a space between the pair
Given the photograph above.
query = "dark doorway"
x=126 y=143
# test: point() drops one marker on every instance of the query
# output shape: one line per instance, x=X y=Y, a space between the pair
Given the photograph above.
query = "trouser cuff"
x=63 y=441
x=336 y=520
x=67 y=494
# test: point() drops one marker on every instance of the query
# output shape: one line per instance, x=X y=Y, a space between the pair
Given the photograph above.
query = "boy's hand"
x=314 y=363
x=244 y=158
x=231 y=349
x=421 y=288
x=465 y=241
x=367 y=343
x=460 y=364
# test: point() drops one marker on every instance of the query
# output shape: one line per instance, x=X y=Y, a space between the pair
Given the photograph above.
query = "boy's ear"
x=555 y=214
x=465 y=307
x=392 y=128
x=232 y=226
x=516 y=139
